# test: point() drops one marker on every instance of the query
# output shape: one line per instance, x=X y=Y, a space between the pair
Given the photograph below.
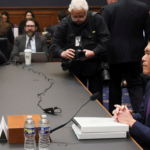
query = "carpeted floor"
x=125 y=97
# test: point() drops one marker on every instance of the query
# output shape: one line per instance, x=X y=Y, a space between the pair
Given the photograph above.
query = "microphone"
x=95 y=96
x=92 y=98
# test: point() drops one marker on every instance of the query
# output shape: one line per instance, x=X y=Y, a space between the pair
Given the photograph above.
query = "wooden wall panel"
x=45 y=20
x=44 y=15
x=16 y=19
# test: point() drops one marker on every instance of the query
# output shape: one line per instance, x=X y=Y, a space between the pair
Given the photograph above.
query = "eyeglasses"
x=28 y=26
x=76 y=18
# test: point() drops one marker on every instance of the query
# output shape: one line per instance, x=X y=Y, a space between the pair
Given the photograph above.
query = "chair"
x=55 y=59
x=4 y=47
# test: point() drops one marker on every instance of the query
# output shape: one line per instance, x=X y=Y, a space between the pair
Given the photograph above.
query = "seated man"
x=30 y=40
x=52 y=29
x=139 y=123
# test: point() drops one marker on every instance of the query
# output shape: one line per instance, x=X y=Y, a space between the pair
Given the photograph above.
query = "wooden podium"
x=16 y=127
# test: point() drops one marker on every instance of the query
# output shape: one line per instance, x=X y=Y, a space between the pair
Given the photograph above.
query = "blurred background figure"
x=5 y=16
x=28 y=14
x=6 y=32
x=52 y=28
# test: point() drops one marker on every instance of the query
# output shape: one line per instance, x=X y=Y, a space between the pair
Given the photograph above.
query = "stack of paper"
x=98 y=128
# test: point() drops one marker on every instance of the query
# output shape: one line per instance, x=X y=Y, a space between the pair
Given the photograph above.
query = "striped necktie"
x=29 y=43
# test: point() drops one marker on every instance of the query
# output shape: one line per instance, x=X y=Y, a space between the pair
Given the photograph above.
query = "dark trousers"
x=131 y=73
x=95 y=83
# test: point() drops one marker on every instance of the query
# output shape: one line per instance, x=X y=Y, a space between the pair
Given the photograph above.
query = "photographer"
x=82 y=39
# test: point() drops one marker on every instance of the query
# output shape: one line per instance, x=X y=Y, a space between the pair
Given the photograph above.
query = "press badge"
x=77 y=41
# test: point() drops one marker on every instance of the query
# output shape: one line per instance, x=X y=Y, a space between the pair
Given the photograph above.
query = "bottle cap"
x=29 y=117
x=43 y=116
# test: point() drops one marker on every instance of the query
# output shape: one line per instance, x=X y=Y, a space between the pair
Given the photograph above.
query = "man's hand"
x=68 y=54
x=119 y=109
x=126 y=117
x=88 y=54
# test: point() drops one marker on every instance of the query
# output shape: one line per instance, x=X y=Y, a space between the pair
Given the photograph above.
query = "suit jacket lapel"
x=24 y=42
x=37 y=42
x=147 y=96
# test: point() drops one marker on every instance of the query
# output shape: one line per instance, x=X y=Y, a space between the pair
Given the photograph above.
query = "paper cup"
x=28 y=55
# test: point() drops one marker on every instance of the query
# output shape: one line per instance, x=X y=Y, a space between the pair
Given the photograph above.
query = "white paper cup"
x=28 y=55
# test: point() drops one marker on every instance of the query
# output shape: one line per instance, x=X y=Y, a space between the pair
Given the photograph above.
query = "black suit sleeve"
x=103 y=36
x=107 y=17
x=10 y=35
x=147 y=28
x=15 y=52
x=59 y=40
x=21 y=27
x=45 y=49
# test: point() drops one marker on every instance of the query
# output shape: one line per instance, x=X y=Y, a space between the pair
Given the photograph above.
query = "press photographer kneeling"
x=82 y=39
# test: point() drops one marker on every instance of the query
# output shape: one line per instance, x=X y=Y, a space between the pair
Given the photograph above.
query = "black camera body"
x=105 y=73
x=48 y=36
x=79 y=55
x=66 y=64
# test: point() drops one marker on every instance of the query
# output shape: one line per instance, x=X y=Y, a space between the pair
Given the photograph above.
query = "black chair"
x=55 y=59
x=3 y=59
x=4 y=47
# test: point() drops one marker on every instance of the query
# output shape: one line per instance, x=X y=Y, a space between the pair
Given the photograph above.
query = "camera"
x=105 y=73
x=66 y=64
x=79 y=55
x=48 y=36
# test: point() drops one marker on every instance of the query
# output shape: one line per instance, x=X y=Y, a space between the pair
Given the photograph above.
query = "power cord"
x=51 y=81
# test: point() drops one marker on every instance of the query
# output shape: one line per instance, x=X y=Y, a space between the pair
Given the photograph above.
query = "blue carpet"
x=125 y=98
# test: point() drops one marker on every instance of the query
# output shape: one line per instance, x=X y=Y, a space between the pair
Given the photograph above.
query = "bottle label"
x=43 y=130
x=29 y=131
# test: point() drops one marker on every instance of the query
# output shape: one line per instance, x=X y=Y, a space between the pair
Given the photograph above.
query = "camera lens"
x=81 y=55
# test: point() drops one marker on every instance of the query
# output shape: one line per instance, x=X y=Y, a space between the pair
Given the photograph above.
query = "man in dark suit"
x=29 y=40
x=127 y=44
x=139 y=123
x=108 y=2
x=52 y=29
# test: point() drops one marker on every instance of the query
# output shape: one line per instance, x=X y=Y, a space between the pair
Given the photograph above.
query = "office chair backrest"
x=4 y=46
x=3 y=59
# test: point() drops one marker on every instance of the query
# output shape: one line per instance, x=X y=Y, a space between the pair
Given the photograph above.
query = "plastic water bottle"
x=29 y=134
x=15 y=30
x=44 y=133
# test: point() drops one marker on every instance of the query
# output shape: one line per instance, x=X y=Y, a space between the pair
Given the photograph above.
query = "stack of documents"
x=98 y=128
